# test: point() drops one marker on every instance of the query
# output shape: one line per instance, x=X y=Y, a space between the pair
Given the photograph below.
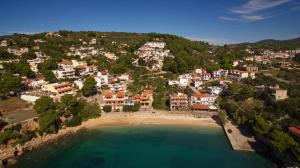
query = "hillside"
x=188 y=54
x=274 y=44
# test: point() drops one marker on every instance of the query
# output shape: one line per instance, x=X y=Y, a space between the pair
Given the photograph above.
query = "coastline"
x=9 y=153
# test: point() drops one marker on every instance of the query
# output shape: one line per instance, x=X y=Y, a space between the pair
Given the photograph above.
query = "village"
x=113 y=88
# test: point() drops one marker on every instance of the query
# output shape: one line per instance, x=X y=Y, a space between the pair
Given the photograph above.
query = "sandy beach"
x=144 y=118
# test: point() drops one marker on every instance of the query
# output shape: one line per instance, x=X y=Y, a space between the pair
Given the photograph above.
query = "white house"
x=220 y=73
x=214 y=90
x=79 y=83
x=101 y=78
x=124 y=77
x=64 y=74
x=203 y=99
x=3 y=43
x=33 y=64
x=196 y=82
x=206 y=76
x=184 y=80
x=173 y=82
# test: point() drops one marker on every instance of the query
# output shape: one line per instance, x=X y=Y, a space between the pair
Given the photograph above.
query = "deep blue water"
x=142 y=147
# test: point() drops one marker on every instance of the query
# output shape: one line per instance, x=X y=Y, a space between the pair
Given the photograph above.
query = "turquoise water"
x=142 y=147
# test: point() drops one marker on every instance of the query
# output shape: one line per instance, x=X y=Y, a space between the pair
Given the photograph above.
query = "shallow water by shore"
x=142 y=146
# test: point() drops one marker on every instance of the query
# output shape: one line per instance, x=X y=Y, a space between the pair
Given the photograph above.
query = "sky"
x=214 y=21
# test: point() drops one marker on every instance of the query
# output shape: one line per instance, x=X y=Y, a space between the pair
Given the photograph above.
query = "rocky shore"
x=10 y=152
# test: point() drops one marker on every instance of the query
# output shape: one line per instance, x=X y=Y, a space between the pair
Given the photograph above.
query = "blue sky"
x=217 y=21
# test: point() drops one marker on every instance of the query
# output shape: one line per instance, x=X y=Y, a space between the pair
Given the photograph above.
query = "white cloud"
x=254 y=17
x=250 y=11
x=245 y=18
x=257 y=5
x=229 y=18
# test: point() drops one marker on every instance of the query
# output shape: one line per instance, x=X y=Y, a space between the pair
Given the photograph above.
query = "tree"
x=103 y=63
x=89 y=87
x=281 y=141
x=222 y=116
x=259 y=125
x=50 y=77
x=4 y=55
x=170 y=65
x=10 y=83
x=90 y=111
x=48 y=121
x=29 y=55
x=129 y=108
x=71 y=105
x=44 y=104
x=75 y=121
x=118 y=69
x=141 y=62
x=297 y=58
x=49 y=64
x=24 y=69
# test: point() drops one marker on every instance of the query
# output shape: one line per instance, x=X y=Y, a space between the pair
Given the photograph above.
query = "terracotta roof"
x=137 y=97
x=295 y=130
x=64 y=89
x=108 y=95
x=120 y=94
x=179 y=97
x=104 y=72
x=200 y=107
x=196 y=79
x=84 y=67
x=65 y=84
x=66 y=62
x=203 y=95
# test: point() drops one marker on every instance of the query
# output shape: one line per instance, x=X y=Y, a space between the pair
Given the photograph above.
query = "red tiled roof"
x=137 y=97
x=64 y=90
x=120 y=94
x=108 y=95
x=65 y=84
x=66 y=62
x=295 y=130
x=84 y=67
x=196 y=79
x=200 y=107
x=203 y=95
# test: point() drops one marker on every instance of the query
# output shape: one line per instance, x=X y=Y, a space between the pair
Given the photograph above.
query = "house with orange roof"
x=178 y=102
x=145 y=98
x=115 y=99
x=203 y=99
x=204 y=108
x=59 y=88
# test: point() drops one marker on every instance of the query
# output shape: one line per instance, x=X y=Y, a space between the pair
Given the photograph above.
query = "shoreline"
x=9 y=153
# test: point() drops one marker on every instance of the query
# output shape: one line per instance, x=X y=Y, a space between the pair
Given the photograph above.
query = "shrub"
x=75 y=121
x=90 y=111
x=27 y=136
x=107 y=108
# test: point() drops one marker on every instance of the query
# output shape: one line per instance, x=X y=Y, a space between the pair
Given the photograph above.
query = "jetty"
x=237 y=139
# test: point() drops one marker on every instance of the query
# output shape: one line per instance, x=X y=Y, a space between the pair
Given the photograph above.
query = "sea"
x=142 y=147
